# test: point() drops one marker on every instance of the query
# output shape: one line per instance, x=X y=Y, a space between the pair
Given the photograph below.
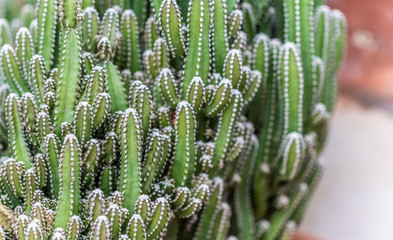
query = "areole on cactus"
x=164 y=119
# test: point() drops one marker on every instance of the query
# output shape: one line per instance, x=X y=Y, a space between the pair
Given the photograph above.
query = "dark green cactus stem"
x=232 y=67
x=318 y=3
x=155 y=7
x=92 y=152
x=109 y=153
x=249 y=25
x=139 y=7
x=281 y=216
x=210 y=211
x=312 y=180
x=221 y=222
x=153 y=157
x=245 y=218
x=225 y=130
x=232 y=4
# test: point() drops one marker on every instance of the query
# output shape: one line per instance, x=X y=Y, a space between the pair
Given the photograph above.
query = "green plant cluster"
x=163 y=119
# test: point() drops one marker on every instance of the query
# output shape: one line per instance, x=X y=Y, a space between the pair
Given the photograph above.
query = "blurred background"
x=355 y=198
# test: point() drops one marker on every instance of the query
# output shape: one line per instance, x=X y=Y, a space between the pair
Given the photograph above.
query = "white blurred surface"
x=355 y=198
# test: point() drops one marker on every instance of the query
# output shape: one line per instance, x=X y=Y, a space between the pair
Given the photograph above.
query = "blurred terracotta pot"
x=301 y=236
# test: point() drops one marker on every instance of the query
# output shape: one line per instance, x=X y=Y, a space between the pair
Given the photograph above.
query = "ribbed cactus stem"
x=299 y=29
x=243 y=210
x=225 y=129
x=130 y=30
x=69 y=171
x=24 y=49
x=292 y=84
x=184 y=156
x=118 y=96
x=197 y=62
x=19 y=149
x=130 y=172
x=69 y=72
x=47 y=15
x=171 y=24
x=12 y=70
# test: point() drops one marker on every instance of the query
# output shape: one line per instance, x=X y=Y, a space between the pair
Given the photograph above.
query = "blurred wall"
x=369 y=65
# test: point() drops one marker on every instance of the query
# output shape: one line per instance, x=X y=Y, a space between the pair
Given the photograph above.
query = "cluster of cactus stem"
x=163 y=119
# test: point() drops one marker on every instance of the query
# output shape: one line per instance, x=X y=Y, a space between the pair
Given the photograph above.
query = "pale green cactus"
x=164 y=119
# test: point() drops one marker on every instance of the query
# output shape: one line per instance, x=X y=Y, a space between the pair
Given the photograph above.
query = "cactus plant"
x=164 y=119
